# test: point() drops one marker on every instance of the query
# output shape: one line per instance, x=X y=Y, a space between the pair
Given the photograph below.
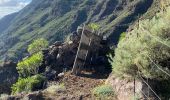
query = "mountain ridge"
x=55 y=19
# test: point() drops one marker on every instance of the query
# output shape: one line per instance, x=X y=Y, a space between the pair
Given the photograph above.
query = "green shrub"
x=144 y=49
x=122 y=36
x=30 y=65
x=27 y=84
x=103 y=91
x=94 y=26
x=37 y=45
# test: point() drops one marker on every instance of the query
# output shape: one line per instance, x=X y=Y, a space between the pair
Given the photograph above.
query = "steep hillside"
x=55 y=19
x=6 y=21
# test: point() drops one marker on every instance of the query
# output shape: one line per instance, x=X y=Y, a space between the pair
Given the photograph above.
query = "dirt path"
x=78 y=87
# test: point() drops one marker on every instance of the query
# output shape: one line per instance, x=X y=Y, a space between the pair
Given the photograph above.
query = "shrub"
x=67 y=39
x=103 y=91
x=94 y=26
x=37 y=45
x=28 y=84
x=144 y=49
x=122 y=36
x=30 y=65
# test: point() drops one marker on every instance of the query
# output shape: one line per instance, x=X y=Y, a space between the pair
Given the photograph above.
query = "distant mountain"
x=6 y=21
x=54 y=19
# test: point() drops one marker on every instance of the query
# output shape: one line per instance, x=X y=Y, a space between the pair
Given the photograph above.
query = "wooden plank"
x=89 y=43
x=82 y=51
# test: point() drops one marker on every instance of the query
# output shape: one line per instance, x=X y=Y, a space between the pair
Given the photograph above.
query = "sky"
x=11 y=6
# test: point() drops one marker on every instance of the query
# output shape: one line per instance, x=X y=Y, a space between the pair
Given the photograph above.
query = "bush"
x=94 y=26
x=67 y=39
x=30 y=65
x=103 y=91
x=37 y=45
x=28 y=84
x=122 y=36
x=144 y=49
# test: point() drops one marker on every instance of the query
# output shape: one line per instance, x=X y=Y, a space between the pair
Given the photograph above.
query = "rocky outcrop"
x=8 y=76
x=59 y=57
x=124 y=89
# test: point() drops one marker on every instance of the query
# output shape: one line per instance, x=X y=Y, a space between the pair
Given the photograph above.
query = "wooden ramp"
x=87 y=38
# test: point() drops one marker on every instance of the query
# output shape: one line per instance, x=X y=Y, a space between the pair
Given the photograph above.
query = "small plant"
x=94 y=26
x=122 y=36
x=28 y=84
x=103 y=91
x=67 y=39
x=37 y=45
x=30 y=65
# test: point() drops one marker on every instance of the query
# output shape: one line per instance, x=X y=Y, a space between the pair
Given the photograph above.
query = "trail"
x=78 y=87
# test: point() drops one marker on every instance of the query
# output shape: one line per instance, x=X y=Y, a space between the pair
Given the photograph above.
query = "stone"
x=8 y=76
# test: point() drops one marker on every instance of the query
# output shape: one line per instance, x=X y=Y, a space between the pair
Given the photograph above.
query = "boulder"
x=8 y=76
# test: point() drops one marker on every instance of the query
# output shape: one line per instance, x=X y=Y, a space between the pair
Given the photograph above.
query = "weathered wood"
x=88 y=39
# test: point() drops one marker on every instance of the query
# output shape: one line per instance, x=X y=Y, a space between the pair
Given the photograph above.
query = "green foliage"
x=37 y=45
x=30 y=65
x=40 y=22
x=94 y=26
x=27 y=84
x=122 y=36
x=144 y=49
x=103 y=91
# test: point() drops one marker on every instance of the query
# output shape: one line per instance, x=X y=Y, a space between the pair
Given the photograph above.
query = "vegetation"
x=27 y=84
x=37 y=45
x=30 y=65
x=43 y=20
x=67 y=39
x=145 y=50
x=103 y=91
x=54 y=89
x=122 y=36
x=29 y=78
x=94 y=26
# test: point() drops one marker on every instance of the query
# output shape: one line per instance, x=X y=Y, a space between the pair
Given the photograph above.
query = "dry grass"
x=54 y=89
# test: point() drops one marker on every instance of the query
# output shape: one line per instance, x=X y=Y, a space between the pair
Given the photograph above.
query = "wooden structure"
x=89 y=44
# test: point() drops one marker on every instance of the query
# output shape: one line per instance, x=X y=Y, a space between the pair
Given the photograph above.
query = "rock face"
x=60 y=56
x=124 y=89
x=8 y=76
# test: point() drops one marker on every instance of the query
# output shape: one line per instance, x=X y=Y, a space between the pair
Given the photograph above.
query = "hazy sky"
x=11 y=6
